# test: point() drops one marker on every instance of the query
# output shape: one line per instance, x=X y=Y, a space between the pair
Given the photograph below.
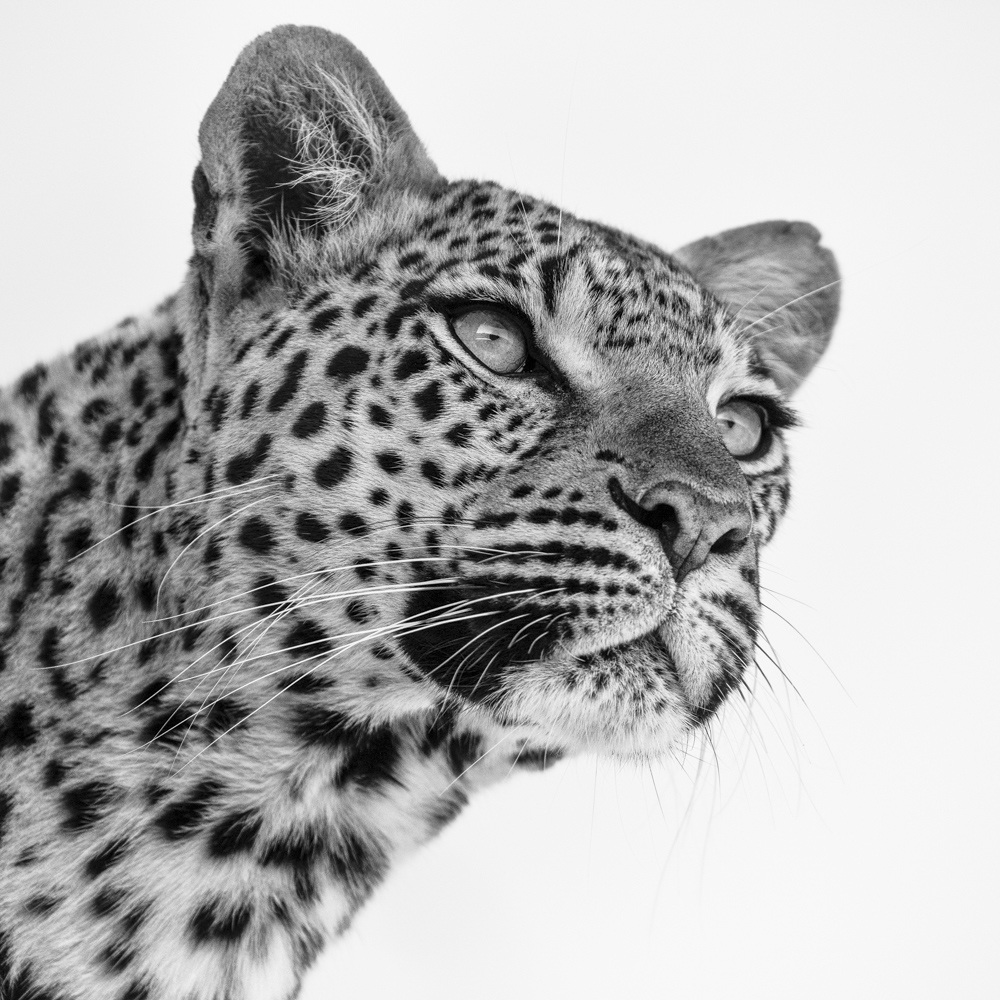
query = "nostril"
x=665 y=520
x=732 y=541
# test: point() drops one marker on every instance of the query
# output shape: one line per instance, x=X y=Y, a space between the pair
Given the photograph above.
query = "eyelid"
x=777 y=413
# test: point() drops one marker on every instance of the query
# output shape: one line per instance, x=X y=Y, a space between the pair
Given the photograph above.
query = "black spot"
x=186 y=816
x=6 y=432
x=379 y=415
x=213 y=551
x=324 y=320
x=411 y=363
x=464 y=749
x=117 y=957
x=289 y=384
x=432 y=472
x=17 y=727
x=459 y=435
x=94 y=410
x=130 y=514
x=371 y=755
x=76 y=540
x=364 y=305
x=36 y=558
x=103 y=605
x=309 y=683
x=445 y=809
x=429 y=401
x=55 y=771
x=405 y=514
x=223 y=716
x=146 y=592
x=310 y=421
x=216 y=404
x=353 y=524
x=110 y=854
x=250 y=396
x=310 y=528
x=46 y=417
x=139 y=389
x=537 y=758
x=48 y=648
x=379 y=497
x=236 y=833
x=335 y=468
x=391 y=462
x=10 y=486
x=357 y=863
x=41 y=904
x=280 y=341
x=255 y=534
x=307 y=639
x=146 y=461
x=6 y=808
x=136 y=990
x=110 y=433
x=268 y=594
x=243 y=467
x=85 y=804
x=346 y=363
x=133 y=919
x=218 y=922
x=106 y=901
x=62 y=687
x=359 y=612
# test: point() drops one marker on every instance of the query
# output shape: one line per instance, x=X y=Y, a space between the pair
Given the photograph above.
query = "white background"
x=841 y=840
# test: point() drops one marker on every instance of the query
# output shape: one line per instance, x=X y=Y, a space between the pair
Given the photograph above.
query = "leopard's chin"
x=635 y=698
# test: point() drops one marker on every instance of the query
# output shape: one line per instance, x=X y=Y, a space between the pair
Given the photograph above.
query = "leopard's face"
x=494 y=462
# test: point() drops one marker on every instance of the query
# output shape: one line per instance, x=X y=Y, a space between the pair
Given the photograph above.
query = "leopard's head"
x=515 y=462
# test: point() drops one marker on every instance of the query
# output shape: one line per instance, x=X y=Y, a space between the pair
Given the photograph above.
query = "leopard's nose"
x=690 y=526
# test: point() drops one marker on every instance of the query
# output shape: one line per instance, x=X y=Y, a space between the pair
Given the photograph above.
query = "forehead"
x=598 y=300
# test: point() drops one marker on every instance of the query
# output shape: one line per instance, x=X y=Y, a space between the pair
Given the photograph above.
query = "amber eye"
x=743 y=426
x=494 y=337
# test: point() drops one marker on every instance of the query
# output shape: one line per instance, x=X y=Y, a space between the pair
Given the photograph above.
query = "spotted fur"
x=286 y=571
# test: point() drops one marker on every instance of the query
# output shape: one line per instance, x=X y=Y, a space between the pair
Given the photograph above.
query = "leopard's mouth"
x=656 y=676
x=636 y=697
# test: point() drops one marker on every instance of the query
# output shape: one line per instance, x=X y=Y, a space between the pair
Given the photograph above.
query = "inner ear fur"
x=783 y=287
x=304 y=138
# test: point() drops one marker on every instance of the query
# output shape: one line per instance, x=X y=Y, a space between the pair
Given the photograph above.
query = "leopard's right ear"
x=303 y=139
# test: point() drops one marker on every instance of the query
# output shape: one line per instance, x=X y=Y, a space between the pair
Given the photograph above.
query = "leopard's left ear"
x=303 y=140
x=782 y=285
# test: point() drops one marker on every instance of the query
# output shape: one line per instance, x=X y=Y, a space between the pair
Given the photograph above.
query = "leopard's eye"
x=743 y=426
x=494 y=337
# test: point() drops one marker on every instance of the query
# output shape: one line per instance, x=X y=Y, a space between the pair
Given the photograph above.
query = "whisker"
x=201 y=534
x=189 y=501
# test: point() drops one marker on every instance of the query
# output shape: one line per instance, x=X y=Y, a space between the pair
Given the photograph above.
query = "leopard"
x=412 y=485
